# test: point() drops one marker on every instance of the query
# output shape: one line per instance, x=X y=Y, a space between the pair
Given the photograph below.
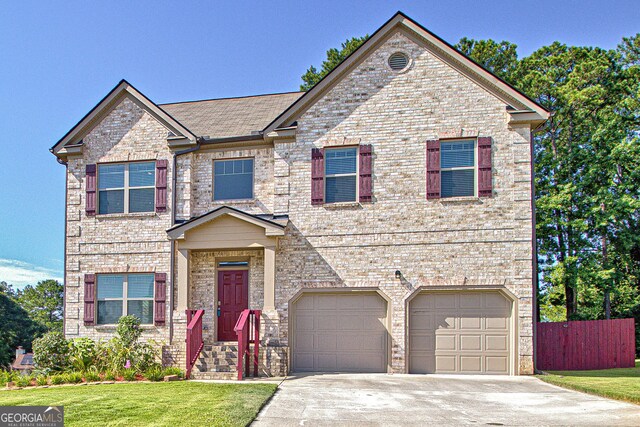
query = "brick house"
x=381 y=222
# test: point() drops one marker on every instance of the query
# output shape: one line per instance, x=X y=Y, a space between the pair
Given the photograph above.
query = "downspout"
x=64 y=267
x=174 y=182
x=534 y=257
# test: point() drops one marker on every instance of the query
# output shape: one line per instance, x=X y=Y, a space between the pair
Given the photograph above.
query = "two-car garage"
x=465 y=332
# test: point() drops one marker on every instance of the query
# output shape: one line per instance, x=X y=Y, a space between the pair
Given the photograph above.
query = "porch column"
x=183 y=280
x=269 y=278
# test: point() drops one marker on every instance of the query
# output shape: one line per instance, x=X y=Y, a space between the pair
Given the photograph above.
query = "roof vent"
x=398 y=61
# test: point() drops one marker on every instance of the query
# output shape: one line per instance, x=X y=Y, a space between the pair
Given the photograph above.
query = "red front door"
x=233 y=297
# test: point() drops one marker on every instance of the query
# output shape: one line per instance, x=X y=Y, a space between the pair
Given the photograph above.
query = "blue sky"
x=60 y=58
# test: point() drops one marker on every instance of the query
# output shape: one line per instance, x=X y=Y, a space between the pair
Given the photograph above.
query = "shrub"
x=50 y=351
x=110 y=376
x=82 y=353
x=58 y=379
x=125 y=350
x=129 y=375
x=154 y=374
x=7 y=376
x=91 y=376
x=73 y=377
x=172 y=370
x=23 y=380
x=42 y=380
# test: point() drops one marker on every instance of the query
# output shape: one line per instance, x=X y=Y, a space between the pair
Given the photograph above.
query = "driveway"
x=437 y=400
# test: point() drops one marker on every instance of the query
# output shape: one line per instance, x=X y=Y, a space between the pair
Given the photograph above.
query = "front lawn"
x=145 y=404
x=621 y=384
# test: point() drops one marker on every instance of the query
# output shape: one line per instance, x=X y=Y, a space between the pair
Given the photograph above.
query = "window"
x=340 y=172
x=125 y=294
x=126 y=187
x=458 y=168
x=233 y=179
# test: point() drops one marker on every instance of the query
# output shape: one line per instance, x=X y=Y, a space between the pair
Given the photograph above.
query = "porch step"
x=217 y=359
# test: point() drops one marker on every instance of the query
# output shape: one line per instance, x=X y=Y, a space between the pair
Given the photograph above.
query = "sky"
x=59 y=58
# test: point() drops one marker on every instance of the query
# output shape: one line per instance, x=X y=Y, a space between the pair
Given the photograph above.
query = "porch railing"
x=248 y=330
x=194 y=338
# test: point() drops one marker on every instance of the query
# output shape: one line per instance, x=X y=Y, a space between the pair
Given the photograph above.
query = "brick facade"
x=456 y=243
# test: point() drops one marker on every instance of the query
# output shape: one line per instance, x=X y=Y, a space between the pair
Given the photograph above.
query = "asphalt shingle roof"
x=227 y=117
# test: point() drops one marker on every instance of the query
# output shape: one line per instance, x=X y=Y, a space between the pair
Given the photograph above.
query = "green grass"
x=157 y=404
x=620 y=384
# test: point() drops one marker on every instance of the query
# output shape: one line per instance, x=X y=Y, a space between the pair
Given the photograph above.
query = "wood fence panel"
x=585 y=345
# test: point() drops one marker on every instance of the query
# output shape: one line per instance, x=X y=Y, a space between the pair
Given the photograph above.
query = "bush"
x=59 y=379
x=129 y=375
x=91 y=376
x=154 y=374
x=42 y=380
x=172 y=370
x=51 y=351
x=73 y=377
x=125 y=350
x=82 y=353
x=7 y=376
x=110 y=376
x=23 y=380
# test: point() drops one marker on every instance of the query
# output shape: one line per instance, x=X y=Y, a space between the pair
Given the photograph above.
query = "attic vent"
x=398 y=61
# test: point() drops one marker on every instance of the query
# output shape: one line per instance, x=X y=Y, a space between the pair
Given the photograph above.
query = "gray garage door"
x=340 y=332
x=460 y=332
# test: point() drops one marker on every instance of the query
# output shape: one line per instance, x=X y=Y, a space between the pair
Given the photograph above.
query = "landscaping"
x=159 y=404
x=620 y=384
x=123 y=358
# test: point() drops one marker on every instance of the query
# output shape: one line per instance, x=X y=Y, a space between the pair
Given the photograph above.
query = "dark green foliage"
x=500 y=58
x=51 y=351
x=43 y=302
x=16 y=327
x=334 y=58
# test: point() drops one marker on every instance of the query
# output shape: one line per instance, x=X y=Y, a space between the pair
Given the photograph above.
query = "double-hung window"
x=233 y=179
x=126 y=187
x=125 y=294
x=341 y=174
x=458 y=168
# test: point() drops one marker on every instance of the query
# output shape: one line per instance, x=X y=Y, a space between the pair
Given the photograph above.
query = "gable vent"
x=398 y=61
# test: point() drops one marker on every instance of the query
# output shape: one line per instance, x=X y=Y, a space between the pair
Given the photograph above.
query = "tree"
x=44 y=303
x=501 y=58
x=334 y=58
x=16 y=327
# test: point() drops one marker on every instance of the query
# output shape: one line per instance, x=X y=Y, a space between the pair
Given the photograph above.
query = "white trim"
x=126 y=189
x=356 y=173
x=125 y=298
x=474 y=168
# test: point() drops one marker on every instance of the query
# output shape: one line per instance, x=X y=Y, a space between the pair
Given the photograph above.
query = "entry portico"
x=232 y=235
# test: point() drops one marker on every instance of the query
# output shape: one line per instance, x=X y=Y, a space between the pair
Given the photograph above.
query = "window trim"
x=356 y=174
x=474 y=168
x=253 y=179
x=125 y=299
x=126 y=187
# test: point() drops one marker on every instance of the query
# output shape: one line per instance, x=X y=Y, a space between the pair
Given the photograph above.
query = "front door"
x=233 y=297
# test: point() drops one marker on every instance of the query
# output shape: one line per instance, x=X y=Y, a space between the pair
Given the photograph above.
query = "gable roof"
x=73 y=138
x=500 y=88
x=231 y=117
x=272 y=228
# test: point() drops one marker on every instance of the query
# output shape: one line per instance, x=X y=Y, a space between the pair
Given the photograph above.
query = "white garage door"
x=340 y=332
x=460 y=332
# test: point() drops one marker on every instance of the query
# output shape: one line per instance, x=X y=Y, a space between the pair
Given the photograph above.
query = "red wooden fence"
x=584 y=345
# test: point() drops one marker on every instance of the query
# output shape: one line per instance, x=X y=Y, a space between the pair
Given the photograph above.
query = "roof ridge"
x=231 y=97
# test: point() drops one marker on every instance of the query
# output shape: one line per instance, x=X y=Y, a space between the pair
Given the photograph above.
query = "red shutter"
x=484 y=167
x=433 y=169
x=161 y=185
x=317 y=176
x=90 y=188
x=89 y=299
x=365 y=173
x=160 y=299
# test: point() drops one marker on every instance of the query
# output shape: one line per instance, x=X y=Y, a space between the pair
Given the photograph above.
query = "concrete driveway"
x=437 y=400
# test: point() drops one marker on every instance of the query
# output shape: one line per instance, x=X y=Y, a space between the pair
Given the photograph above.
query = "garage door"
x=460 y=332
x=340 y=333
